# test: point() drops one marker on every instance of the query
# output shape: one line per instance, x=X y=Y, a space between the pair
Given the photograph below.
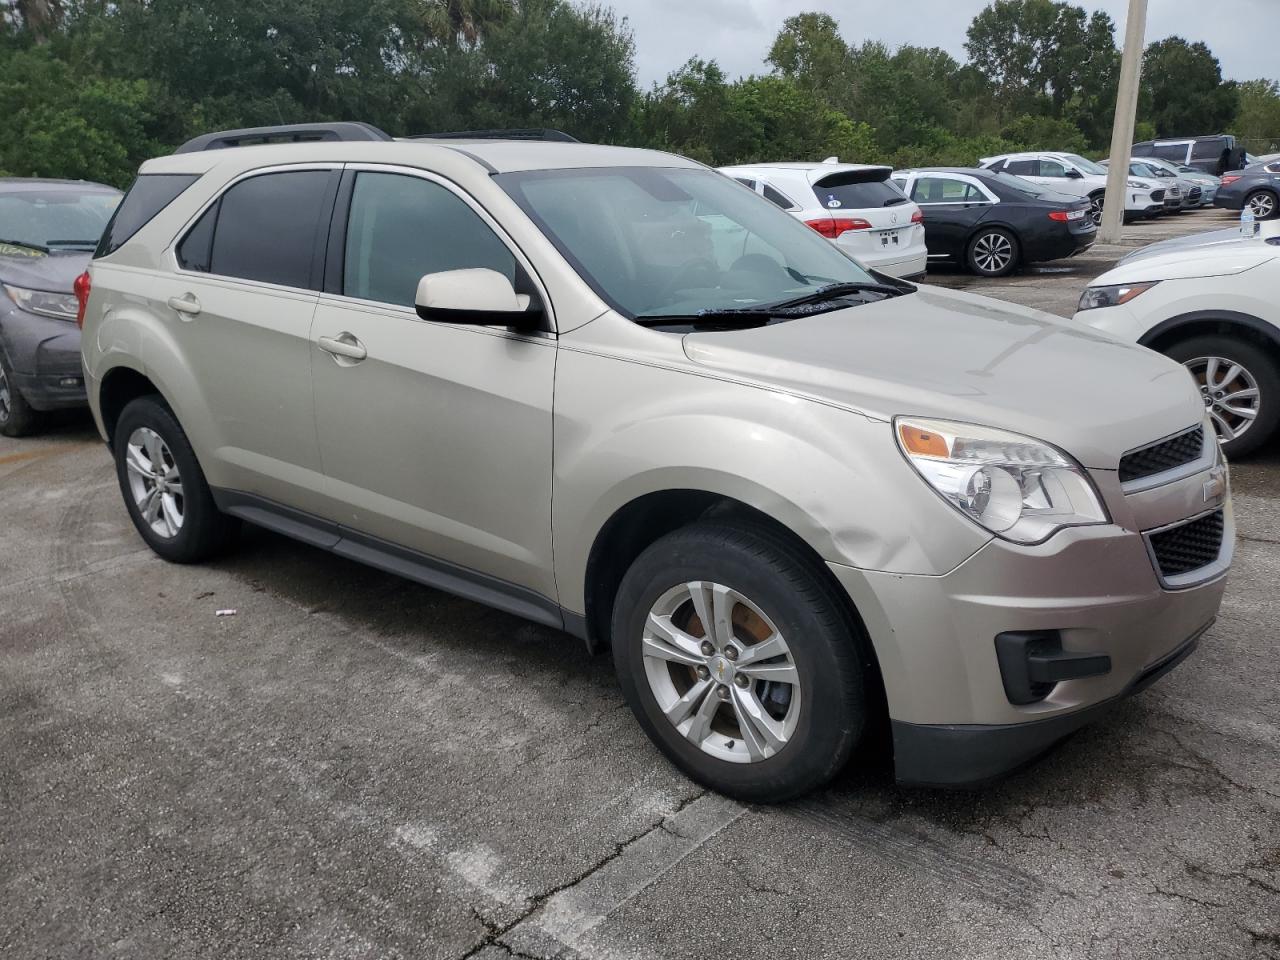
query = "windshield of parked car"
x=54 y=219
x=1088 y=166
x=656 y=241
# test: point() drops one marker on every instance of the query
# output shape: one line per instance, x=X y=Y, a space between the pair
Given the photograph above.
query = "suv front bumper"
x=1095 y=588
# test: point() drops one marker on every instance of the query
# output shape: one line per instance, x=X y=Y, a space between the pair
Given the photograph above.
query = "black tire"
x=1261 y=366
x=828 y=651
x=17 y=418
x=1265 y=198
x=205 y=531
x=992 y=252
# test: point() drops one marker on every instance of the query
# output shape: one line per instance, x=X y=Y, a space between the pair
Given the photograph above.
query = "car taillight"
x=81 y=287
x=834 y=227
x=1229 y=178
x=918 y=217
x=1059 y=215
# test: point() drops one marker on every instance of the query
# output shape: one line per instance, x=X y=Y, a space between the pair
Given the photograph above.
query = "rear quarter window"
x=149 y=194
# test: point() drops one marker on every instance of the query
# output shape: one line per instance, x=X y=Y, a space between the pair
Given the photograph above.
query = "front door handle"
x=344 y=345
x=187 y=303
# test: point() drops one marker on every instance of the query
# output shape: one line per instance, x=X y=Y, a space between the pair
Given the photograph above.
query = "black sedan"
x=992 y=222
x=1257 y=187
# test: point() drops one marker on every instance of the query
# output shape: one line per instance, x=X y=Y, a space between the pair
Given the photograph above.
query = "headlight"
x=61 y=306
x=1112 y=296
x=1137 y=185
x=1014 y=486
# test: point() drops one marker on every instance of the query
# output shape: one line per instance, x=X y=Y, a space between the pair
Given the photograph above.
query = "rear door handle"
x=344 y=345
x=187 y=303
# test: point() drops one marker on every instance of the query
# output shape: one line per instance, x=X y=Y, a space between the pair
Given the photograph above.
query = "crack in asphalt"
x=495 y=932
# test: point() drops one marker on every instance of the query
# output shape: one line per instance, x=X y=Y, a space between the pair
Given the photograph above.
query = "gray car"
x=48 y=230
x=613 y=392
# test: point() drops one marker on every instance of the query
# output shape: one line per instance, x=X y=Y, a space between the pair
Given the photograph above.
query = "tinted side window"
x=267 y=226
x=1208 y=149
x=1172 y=151
x=403 y=227
x=150 y=194
x=196 y=248
x=944 y=190
x=746 y=182
x=1053 y=168
x=776 y=197
x=1023 y=168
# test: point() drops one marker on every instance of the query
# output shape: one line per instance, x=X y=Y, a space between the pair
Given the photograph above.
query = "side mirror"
x=1074 y=175
x=475 y=296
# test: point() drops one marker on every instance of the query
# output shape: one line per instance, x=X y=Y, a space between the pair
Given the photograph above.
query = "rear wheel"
x=993 y=252
x=1240 y=384
x=164 y=488
x=1096 y=203
x=738 y=661
x=1264 y=204
x=17 y=418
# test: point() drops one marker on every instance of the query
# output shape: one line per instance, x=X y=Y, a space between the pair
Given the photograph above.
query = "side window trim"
x=318 y=242
x=337 y=241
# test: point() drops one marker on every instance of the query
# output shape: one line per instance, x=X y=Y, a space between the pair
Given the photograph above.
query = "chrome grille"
x=1165 y=455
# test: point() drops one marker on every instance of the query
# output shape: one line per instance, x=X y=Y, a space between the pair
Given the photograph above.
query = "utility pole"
x=1135 y=31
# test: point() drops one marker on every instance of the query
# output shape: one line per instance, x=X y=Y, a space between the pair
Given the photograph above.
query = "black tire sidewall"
x=1265 y=371
x=22 y=419
x=199 y=535
x=832 y=714
x=973 y=243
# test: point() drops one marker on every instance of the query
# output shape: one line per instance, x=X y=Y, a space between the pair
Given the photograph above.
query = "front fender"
x=833 y=477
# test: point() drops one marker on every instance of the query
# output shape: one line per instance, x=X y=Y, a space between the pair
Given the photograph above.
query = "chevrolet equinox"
x=613 y=391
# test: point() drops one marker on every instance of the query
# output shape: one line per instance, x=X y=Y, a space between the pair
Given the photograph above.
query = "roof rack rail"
x=525 y=133
x=286 y=133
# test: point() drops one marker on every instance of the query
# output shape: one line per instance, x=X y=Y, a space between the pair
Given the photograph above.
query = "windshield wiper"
x=838 y=291
x=26 y=243
x=722 y=317
x=72 y=243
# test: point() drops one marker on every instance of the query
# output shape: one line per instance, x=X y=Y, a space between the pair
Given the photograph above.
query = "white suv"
x=856 y=205
x=1073 y=174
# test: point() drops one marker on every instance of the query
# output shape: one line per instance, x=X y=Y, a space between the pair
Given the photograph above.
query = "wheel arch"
x=120 y=385
x=644 y=520
x=1199 y=323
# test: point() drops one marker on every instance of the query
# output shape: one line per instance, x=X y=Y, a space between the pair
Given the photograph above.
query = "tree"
x=810 y=51
x=1258 y=120
x=1183 y=90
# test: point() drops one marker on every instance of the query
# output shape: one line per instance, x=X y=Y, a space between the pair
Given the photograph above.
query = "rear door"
x=240 y=305
x=438 y=439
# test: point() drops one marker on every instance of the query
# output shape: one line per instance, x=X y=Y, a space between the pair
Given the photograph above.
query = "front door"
x=951 y=207
x=434 y=436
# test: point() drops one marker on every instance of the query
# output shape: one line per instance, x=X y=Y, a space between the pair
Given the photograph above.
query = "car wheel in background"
x=739 y=661
x=17 y=418
x=164 y=488
x=1096 y=202
x=993 y=252
x=1264 y=203
x=1240 y=383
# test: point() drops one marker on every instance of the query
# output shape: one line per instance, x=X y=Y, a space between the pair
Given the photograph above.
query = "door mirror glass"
x=476 y=295
x=1073 y=174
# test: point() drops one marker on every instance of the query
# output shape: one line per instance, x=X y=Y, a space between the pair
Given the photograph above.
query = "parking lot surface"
x=353 y=765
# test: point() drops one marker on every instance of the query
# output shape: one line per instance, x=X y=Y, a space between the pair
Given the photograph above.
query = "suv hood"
x=55 y=272
x=1221 y=253
x=943 y=353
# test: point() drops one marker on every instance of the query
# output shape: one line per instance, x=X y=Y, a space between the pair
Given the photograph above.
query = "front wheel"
x=993 y=252
x=739 y=662
x=1240 y=385
x=17 y=418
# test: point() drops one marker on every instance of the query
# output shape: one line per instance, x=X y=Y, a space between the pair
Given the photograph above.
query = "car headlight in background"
x=1016 y=487
x=1138 y=185
x=1112 y=296
x=60 y=306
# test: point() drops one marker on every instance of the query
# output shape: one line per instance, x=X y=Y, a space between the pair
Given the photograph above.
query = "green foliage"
x=1183 y=90
x=90 y=88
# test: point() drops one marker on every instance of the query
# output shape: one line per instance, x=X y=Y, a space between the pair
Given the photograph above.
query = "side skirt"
x=410 y=564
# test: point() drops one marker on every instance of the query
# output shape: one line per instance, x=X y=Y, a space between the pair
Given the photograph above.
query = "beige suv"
x=617 y=393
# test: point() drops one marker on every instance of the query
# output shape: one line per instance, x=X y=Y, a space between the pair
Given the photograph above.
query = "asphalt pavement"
x=352 y=765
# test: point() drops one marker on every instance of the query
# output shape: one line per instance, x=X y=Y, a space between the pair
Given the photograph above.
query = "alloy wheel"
x=721 y=672
x=1263 y=205
x=1230 y=394
x=154 y=482
x=1095 y=210
x=993 y=252
x=5 y=399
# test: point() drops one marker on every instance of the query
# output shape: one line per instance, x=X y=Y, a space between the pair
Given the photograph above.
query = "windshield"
x=656 y=241
x=1088 y=166
x=56 y=218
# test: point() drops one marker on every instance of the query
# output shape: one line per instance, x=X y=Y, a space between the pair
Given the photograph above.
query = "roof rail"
x=287 y=133
x=526 y=133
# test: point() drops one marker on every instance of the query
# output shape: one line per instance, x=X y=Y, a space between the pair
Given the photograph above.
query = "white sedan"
x=1211 y=302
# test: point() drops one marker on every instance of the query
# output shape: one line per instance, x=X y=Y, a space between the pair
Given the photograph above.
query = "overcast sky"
x=737 y=33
